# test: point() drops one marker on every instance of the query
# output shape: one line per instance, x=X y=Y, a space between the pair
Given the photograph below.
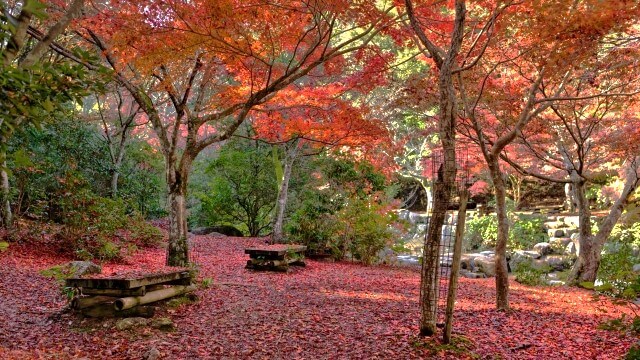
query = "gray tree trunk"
x=283 y=194
x=178 y=249
x=502 y=271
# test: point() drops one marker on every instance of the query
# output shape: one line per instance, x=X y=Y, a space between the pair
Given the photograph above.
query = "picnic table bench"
x=275 y=257
x=123 y=295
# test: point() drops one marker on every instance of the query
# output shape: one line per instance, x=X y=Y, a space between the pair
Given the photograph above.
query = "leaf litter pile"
x=324 y=311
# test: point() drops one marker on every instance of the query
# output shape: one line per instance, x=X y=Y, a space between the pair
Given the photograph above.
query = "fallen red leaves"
x=323 y=311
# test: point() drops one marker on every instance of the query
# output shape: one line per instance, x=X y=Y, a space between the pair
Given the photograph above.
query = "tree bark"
x=7 y=214
x=502 y=271
x=586 y=267
x=283 y=194
x=178 y=249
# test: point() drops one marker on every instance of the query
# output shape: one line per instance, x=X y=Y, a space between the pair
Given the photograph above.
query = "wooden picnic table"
x=275 y=257
x=124 y=295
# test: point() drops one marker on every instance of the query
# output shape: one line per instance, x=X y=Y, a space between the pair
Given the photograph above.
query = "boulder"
x=560 y=241
x=570 y=249
x=519 y=257
x=467 y=262
x=558 y=262
x=152 y=354
x=446 y=260
x=471 y=275
x=486 y=265
x=543 y=248
x=130 y=323
x=555 y=232
x=550 y=225
x=164 y=324
x=636 y=268
x=448 y=233
x=80 y=268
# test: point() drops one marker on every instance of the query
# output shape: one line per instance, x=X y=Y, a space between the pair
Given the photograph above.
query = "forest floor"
x=324 y=311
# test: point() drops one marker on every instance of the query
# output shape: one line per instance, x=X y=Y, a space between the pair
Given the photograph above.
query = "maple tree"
x=191 y=66
x=575 y=142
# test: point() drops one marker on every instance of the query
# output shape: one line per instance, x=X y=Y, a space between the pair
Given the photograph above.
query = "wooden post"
x=455 y=266
x=152 y=296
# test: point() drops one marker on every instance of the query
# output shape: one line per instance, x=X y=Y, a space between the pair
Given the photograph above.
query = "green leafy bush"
x=528 y=274
x=364 y=230
x=524 y=232
x=616 y=265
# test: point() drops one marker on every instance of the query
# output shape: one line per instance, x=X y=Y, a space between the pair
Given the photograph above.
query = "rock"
x=164 y=324
x=486 y=265
x=130 y=323
x=560 y=241
x=201 y=231
x=80 y=268
x=421 y=229
x=472 y=275
x=555 y=232
x=488 y=253
x=543 y=248
x=467 y=262
x=571 y=231
x=570 y=249
x=555 y=282
x=573 y=221
x=550 y=225
x=519 y=257
x=558 y=262
x=636 y=268
x=152 y=354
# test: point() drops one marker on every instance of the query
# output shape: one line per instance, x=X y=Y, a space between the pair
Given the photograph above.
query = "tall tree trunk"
x=586 y=267
x=178 y=249
x=115 y=175
x=283 y=194
x=502 y=271
x=7 y=215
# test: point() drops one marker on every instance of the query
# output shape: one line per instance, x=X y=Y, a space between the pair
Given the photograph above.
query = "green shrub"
x=615 y=272
x=528 y=274
x=524 y=232
x=364 y=230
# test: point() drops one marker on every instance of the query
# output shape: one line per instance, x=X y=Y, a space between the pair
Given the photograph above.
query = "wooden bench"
x=122 y=296
x=276 y=257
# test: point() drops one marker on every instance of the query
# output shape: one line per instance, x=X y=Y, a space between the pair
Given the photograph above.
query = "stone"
x=555 y=232
x=80 y=268
x=558 y=262
x=519 y=257
x=570 y=231
x=550 y=225
x=488 y=253
x=152 y=354
x=573 y=221
x=555 y=282
x=570 y=249
x=471 y=275
x=560 y=241
x=636 y=268
x=543 y=248
x=467 y=262
x=130 y=323
x=486 y=265
x=421 y=229
x=164 y=324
